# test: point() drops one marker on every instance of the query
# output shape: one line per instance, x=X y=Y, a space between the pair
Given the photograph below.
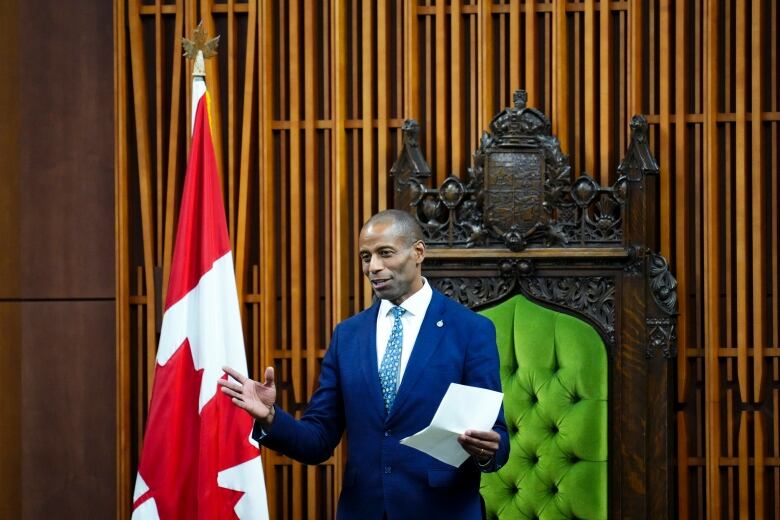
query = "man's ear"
x=419 y=249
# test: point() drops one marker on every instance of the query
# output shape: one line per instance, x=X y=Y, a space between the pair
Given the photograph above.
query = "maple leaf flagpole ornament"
x=198 y=459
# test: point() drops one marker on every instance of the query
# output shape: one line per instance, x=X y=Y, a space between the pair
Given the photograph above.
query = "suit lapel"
x=427 y=341
x=368 y=361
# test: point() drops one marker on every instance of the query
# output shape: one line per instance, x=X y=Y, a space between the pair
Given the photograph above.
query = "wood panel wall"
x=57 y=336
x=310 y=99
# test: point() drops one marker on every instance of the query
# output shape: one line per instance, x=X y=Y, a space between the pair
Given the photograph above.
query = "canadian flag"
x=198 y=459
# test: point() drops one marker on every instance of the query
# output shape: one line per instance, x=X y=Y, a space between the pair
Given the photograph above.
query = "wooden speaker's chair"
x=585 y=313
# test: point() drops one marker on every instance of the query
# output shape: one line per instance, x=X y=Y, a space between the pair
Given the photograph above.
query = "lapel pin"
x=440 y=323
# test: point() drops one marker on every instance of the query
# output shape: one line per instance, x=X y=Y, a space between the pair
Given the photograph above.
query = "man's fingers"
x=225 y=383
x=485 y=436
x=269 y=376
x=235 y=375
x=232 y=393
x=473 y=444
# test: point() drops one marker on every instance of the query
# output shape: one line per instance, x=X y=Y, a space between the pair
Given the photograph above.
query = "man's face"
x=390 y=262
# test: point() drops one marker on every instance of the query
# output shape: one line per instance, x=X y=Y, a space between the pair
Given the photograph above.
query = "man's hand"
x=481 y=445
x=256 y=398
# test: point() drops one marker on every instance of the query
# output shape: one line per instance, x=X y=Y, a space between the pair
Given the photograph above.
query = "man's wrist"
x=484 y=464
x=266 y=421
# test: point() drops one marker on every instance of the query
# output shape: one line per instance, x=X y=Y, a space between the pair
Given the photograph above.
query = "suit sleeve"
x=482 y=370
x=312 y=439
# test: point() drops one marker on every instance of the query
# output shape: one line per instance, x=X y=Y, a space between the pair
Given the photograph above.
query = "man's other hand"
x=481 y=445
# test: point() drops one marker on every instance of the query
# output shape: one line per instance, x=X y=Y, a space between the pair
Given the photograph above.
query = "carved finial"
x=639 y=128
x=520 y=99
x=410 y=129
x=198 y=48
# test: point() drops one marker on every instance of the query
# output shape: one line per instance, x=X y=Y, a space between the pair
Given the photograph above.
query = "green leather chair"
x=554 y=378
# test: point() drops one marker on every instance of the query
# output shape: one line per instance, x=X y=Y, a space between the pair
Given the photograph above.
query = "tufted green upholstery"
x=554 y=377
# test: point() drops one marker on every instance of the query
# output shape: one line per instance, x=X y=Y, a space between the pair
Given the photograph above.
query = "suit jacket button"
x=387 y=433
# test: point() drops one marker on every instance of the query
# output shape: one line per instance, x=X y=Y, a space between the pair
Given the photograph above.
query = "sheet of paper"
x=462 y=408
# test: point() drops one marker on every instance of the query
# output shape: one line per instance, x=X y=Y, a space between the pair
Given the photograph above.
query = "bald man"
x=382 y=379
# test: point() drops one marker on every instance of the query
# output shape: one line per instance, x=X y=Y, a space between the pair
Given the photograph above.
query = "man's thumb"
x=269 y=376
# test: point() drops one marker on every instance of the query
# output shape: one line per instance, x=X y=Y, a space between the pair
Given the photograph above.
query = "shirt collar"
x=415 y=305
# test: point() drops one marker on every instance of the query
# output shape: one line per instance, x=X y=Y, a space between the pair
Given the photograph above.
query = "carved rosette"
x=661 y=337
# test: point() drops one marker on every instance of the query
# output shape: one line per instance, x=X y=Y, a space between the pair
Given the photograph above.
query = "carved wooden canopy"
x=519 y=222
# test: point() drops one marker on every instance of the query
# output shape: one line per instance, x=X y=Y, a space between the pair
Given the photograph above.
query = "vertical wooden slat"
x=635 y=68
x=339 y=184
x=231 y=56
x=486 y=64
x=712 y=261
x=575 y=112
x=247 y=119
x=758 y=267
x=591 y=74
x=213 y=86
x=140 y=100
x=382 y=99
x=560 y=116
x=296 y=243
x=122 y=276
x=159 y=75
x=606 y=103
x=531 y=51
x=312 y=216
x=514 y=46
x=624 y=90
x=665 y=97
x=441 y=102
x=171 y=197
x=501 y=59
x=456 y=83
x=681 y=245
x=473 y=81
x=740 y=154
x=411 y=97
x=340 y=188
x=268 y=221
x=367 y=137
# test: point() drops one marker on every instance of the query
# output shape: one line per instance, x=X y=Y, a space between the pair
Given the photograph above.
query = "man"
x=381 y=380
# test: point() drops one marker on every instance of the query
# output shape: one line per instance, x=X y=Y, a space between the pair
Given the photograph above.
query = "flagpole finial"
x=199 y=48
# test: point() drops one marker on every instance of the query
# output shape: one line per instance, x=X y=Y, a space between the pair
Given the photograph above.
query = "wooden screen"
x=310 y=96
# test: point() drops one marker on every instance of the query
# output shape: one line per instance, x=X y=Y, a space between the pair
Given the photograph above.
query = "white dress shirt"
x=412 y=319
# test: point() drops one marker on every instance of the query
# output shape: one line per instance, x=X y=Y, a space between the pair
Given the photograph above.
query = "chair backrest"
x=554 y=378
x=518 y=223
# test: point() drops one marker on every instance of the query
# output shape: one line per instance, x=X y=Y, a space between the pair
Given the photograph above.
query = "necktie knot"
x=397 y=311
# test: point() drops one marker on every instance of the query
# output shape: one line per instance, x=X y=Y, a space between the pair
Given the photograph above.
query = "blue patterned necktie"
x=391 y=362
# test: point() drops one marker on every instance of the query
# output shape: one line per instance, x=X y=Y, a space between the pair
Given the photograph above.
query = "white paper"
x=462 y=408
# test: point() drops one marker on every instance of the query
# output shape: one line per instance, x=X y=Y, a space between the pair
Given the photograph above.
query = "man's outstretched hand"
x=256 y=398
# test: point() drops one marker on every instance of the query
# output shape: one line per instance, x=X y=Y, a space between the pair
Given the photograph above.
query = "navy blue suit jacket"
x=382 y=476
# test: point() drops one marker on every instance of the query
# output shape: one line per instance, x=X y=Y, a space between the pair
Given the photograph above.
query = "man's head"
x=391 y=252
